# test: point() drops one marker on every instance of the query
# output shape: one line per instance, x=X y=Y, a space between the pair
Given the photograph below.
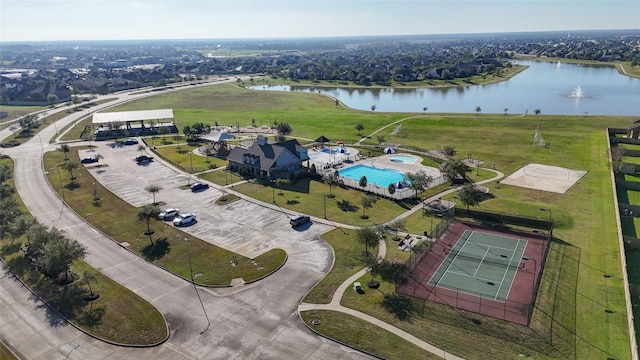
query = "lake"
x=554 y=88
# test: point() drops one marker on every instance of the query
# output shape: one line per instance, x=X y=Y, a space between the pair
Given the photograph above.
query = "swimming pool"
x=405 y=159
x=380 y=177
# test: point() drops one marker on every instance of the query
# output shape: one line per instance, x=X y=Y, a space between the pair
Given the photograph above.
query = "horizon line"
x=317 y=37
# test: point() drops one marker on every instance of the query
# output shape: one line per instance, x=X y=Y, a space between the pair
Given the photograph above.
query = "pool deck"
x=330 y=162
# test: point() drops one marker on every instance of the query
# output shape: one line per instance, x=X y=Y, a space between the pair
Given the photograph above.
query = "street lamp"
x=535 y=269
x=550 y=219
x=186 y=239
x=72 y=350
x=324 y=204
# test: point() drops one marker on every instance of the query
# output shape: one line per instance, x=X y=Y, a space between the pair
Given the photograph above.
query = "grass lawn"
x=22 y=137
x=584 y=216
x=363 y=335
x=118 y=315
x=14 y=111
x=307 y=197
x=166 y=246
x=182 y=156
x=5 y=354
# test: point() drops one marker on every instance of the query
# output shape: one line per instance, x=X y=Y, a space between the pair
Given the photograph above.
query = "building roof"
x=267 y=154
x=217 y=136
x=129 y=116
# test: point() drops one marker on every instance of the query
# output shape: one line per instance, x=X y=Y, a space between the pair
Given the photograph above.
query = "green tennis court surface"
x=481 y=264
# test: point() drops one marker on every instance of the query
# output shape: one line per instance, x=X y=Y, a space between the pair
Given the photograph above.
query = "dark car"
x=130 y=141
x=199 y=187
x=88 y=160
x=299 y=220
x=144 y=159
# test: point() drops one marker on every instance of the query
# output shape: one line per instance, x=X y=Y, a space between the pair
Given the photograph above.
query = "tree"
x=146 y=213
x=186 y=131
x=380 y=139
x=19 y=225
x=391 y=188
x=397 y=225
x=617 y=153
x=27 y=122
x=284 y=128
x=506 y=111
x=478 y=110
x=424 y=109
x=98 y=157
x=153 y=190
x=5 y=173
x=455 y=168
x=363 y=182
x=372 y=263
x=536 y=111
x=281 y=184
x=37 y=237
x=70 y=166
x=88 y=278
x=417 y=181
x=449 y=151
x=367 y=201
x=469 y=195
x=141 y=148
x=331 y=179
x=65 y=149
x=59 y=253
x=373 y=108
x=369 y=237
x=359 y=127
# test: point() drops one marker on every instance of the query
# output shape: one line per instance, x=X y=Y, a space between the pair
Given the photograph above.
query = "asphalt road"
x=257 y=321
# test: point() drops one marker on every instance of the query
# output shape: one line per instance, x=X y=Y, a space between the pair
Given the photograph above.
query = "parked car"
x=199 y=187
x=88 y=160
x=144 y=159
x=299 y=220
x=131 y=141
x=168 y=214
x=184 y=219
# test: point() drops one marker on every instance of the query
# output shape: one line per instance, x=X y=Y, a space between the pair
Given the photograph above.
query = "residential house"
x=273 y=161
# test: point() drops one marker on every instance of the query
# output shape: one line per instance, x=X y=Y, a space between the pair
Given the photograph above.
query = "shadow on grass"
x=72 y=185
x=347 y=206
x=388 y=270
x=398 y=306
x=92 y=317
x=157 y=250
x=10 y=249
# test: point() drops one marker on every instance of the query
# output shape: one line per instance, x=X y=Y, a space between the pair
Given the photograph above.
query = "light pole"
x=186 y=239
x=535 y=265
x=324 y=204
x=191 y=161
x=72 y=350
x=550 y=219
x=273 y=193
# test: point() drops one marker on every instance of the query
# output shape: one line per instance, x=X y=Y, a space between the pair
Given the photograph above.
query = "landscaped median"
x=92 y=302
x=167 y=246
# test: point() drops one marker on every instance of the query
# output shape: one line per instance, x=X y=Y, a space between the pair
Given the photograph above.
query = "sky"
x=51 y=20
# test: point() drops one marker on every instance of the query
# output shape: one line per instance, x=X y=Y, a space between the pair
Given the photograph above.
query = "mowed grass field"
x=584 y=215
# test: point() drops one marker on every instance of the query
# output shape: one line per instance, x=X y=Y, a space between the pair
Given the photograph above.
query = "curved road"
x=255 y=321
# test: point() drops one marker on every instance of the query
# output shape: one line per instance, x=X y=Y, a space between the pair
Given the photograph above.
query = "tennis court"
x=481 y=264
x=477 y=267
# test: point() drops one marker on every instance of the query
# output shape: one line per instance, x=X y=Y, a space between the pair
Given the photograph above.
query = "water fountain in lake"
x=577 y=93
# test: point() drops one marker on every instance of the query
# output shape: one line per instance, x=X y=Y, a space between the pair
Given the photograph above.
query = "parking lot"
x=242 y=226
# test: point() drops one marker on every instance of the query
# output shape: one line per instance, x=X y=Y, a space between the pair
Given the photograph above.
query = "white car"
x=184 y=219
x=168 y=214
